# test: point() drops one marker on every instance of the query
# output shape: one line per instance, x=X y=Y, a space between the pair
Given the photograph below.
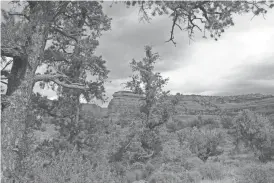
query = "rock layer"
x=126 y=102
x=123 y=103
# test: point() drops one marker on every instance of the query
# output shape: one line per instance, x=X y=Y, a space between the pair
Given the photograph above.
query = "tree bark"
x=13 y=125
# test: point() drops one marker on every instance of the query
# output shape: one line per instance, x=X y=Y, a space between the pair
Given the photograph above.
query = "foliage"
x=211 y=16
x=226 y=122
x=165 y=177
x=192 y=163
x=71 y=167
x=257 y=173
x=145 y=81
x=202 y=143
x=174 y=152
x=68 y=30
x=164 y=108
x=199 y=122
x=257 y=133
x=212 y=171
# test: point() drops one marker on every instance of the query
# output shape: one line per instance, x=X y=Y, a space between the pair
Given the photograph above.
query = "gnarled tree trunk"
x=13 y=119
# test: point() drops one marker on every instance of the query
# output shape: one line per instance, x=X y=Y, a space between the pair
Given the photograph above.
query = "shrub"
x=174 y=152
x=199 y=122
x=70 y=167
x=226 y=122
x=193 y=163
x=203 y=143
x=212 y=171
x=211 y=123
x=257 y=133
x=257 y=173
x=193 y=176
x=165 y=177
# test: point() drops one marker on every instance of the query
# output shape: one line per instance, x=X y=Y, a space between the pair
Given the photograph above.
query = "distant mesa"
x=128 y=102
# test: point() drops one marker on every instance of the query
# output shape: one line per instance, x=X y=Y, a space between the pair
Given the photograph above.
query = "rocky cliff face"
x=123 y=103
x=127 y=102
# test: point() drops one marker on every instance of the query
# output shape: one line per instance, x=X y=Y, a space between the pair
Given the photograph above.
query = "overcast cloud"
x=241 y=62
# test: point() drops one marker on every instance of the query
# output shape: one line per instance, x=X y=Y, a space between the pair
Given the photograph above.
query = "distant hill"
x=193 y=105
x=189 y=105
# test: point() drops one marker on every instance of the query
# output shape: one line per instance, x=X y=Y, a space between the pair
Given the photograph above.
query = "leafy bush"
x=165 y=177
x=212 y=171
x=199 y=122
x=226 y=122
x=257 y=173
x=257 y=133
x=211 y=123
x=192 y=177
x=70 y=167
x=202 y=143
x=174 y=152
x=193 y=163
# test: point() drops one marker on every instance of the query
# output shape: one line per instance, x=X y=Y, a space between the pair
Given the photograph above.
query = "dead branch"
x=146 y=156
x=19 y=14
x=4 y=82
x=172 y=28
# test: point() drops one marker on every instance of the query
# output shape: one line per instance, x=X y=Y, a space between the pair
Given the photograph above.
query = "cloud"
x=128 y=37
x=240 y=62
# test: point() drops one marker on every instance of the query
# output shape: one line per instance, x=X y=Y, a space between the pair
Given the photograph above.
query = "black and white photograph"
x=137 y=91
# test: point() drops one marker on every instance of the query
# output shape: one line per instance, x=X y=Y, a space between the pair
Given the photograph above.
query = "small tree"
x=146 y=82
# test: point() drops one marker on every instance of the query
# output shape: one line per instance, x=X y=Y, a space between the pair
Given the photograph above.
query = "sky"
x=240 y=62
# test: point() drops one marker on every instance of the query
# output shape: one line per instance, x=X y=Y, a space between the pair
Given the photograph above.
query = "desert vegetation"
x=160 y=138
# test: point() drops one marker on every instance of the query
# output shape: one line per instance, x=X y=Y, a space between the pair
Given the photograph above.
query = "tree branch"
x=56 y=79
x=9 y=62
x=61 y=9
x=20 y=14
x=11 y=52
x=146 y=156
x=71 y=86
x=172 y=28
x=4 y=82
x=64 y=33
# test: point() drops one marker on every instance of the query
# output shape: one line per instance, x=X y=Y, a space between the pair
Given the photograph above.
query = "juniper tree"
x=146 y=82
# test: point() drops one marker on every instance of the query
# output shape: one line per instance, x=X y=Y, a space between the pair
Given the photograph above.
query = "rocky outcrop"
x=123 y=103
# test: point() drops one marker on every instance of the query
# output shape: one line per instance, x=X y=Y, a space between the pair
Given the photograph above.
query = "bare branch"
x=56 y=79
x=71 y=86
x=9 y=62
x=4 y=82
x=193 y=25
x=172 y=28
x=146 y=156
x=19 y=14
x=46 y=77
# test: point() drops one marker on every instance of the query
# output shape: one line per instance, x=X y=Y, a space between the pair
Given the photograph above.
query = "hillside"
x=193 y=105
